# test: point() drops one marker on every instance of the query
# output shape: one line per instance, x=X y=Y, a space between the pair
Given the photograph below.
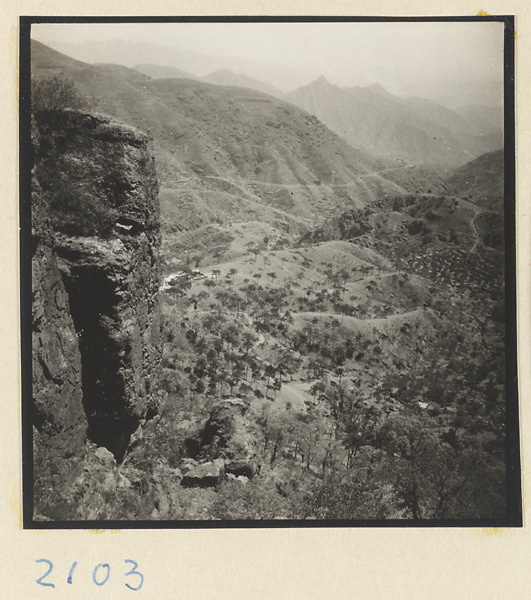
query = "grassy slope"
x=482 y=180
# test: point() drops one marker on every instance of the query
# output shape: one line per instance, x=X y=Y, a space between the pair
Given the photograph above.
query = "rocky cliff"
x=59 y=421
x=97 y=338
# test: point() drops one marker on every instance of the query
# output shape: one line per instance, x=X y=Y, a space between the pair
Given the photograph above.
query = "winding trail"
x=242 y=181
x=289 y=394
x=387 y=171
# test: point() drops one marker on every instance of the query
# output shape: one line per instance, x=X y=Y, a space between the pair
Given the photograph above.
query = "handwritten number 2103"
x=100 y=574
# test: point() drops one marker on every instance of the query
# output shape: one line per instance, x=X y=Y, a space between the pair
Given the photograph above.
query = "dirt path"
x=239 y=182
x=324 y=315
x=386 y=171
x=289 y=394
x=371 y=277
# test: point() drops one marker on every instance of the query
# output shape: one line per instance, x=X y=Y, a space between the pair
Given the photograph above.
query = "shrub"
x=348 y=500
x=55 y=93
x=75 y=212
x=256 y=499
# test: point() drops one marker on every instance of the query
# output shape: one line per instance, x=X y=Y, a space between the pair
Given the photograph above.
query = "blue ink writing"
x=74 y=565
x=133 y=571
x=96 y=569
x=134 y=579
x=50 y=567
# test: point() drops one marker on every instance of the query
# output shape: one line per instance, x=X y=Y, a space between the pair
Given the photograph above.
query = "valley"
x=332 y=322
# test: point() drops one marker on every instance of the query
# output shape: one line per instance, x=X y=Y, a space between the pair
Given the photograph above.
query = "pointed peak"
x=321 y=80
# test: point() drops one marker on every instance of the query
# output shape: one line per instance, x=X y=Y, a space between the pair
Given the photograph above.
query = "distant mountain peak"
x=378 y=87
x=232 y=78
x=322 y=80
x=415 y=131
x=223 y=72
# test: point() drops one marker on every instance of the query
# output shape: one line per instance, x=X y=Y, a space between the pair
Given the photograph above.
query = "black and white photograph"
x=268 y=272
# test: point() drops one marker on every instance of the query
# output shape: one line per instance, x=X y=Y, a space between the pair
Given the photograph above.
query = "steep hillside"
x=421 y=179
x=163 y=72
x=228 y=77
x=451 y=240
x=481 y=180
x=414 y=131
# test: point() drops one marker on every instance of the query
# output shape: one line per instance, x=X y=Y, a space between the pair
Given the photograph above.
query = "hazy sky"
x=404 y=57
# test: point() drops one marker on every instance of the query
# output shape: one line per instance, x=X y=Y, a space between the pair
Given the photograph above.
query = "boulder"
x=207 y=474
x=228 y=436
x=244 y=467
x=240 y=479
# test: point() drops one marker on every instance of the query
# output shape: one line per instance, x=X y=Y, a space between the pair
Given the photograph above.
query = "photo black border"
x=513 y=473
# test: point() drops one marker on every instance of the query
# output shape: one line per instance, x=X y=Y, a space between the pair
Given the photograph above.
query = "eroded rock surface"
x=96 y=322
x=59 y=421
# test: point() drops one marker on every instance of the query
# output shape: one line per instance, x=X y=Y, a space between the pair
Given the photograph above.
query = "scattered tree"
x=55 y=93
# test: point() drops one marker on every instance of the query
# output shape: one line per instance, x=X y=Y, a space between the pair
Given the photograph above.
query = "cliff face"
x=60 y=424
x=97 y=338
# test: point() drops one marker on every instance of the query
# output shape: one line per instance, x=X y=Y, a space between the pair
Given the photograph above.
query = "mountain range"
x=264 y=151
x=130 y=54
x=451 y=92
x=413 y=130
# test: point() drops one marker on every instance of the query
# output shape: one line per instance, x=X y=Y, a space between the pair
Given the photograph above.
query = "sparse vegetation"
x=343 y=449
x=75 y=212
x=55 y=93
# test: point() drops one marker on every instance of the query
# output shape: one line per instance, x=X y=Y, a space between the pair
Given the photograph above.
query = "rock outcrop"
x=227 y=435
x=207 y=474
x=97 y=333
x=59 y=421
